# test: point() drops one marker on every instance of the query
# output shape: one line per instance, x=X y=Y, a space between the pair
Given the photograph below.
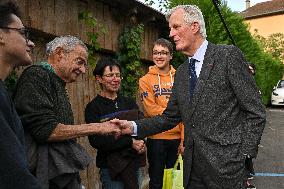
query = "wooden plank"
x=82 y=27
x=116 y=29
x=72 y=18
x=150 y=43
x=61 y=18
x=49 y=18
x=108 y=36
x=35 y=14
x=144 y=45
x=100 y=18
x=60 y=14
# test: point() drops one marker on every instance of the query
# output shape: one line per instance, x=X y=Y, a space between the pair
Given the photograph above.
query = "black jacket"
x=14 y=173
x=102 y=109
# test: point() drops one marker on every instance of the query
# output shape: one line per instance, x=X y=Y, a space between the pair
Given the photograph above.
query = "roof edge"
x=264 y=14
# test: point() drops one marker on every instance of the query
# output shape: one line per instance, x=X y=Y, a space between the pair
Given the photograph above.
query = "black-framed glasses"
x=113 y=75
x=162 y=53
x=23 y=31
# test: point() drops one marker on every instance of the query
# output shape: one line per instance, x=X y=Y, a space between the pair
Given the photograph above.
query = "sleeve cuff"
x=134 y=128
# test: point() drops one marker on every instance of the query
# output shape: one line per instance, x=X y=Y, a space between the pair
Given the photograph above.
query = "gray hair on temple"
x=192 y=14
x=68 y=43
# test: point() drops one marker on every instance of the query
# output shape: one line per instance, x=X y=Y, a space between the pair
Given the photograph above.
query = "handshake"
x=119 y=124
x=117 y=127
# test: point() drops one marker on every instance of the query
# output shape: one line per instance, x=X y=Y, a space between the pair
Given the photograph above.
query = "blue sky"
x=235 y=5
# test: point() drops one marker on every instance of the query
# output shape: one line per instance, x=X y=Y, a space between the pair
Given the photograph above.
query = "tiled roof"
x=264 y=9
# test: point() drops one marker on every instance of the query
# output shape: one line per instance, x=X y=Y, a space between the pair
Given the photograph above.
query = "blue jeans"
x=108 y=183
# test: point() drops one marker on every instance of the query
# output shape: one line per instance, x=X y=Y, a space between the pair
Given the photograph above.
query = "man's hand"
x=139 y=145
x=181 y=149
x=126 y=127
x=108 y=127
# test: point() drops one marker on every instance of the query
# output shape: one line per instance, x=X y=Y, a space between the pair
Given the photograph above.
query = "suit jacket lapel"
x=187 y=83
x=208 y=64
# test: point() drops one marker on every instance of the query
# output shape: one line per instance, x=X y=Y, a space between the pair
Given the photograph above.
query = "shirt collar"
x=200 y=53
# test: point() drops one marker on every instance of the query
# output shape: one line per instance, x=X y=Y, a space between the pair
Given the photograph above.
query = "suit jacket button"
x=193 y=125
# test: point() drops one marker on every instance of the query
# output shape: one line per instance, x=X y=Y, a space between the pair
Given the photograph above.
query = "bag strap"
x=179 y=162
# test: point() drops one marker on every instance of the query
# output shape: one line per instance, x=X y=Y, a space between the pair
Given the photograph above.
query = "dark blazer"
x=224 y=120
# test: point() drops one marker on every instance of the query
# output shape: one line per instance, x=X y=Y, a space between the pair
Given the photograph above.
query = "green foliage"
x=274 y=48
x=162 y=4
x=178 y=59
x=269 y=67
x=128 y=55
x=267 y=74
x=94 y=45
x=273 y=44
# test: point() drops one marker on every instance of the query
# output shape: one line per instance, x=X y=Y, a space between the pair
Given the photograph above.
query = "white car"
x=277 y=96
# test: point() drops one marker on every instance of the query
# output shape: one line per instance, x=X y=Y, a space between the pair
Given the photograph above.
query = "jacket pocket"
x=233 y=137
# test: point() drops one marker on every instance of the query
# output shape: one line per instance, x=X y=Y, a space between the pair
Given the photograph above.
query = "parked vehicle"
x=277 y=96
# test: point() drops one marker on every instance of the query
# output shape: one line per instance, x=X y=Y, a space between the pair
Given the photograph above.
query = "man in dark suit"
x=218 y=101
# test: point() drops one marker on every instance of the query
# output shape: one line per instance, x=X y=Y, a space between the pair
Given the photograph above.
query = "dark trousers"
x=161 y=154
x=202 y=179
x=66 y=181
x=198 y=182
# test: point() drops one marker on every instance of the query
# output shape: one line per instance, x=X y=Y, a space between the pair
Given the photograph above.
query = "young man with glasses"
x=155 y=89
x=15 y=48
x=116 y=158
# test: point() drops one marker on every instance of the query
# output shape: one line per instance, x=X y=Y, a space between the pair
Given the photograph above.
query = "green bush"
x=128 y=55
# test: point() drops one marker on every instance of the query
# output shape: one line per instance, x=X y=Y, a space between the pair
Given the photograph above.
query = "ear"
x=195 y=27
x=98 y=78
x=59 y=52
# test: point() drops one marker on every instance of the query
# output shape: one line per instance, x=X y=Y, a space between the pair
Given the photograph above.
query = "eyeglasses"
x=162 y=53
x=23 y=31
x=113 y=75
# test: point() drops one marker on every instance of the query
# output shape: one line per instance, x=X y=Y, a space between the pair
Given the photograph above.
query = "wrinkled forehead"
x=177 y=17
x=178 y=13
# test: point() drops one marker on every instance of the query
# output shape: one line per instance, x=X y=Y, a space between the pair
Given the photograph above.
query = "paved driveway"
x=269 y=165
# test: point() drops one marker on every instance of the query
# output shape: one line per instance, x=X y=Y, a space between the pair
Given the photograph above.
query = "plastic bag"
x=173 y=177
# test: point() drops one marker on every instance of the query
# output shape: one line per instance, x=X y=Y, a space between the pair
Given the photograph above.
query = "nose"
x=31 y=44
x=171 y=33
x=83 y=69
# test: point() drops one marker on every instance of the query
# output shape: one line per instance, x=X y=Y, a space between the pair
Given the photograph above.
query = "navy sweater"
x=14 y=173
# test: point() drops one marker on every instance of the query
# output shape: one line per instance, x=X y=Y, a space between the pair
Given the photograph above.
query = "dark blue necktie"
x=193 y=76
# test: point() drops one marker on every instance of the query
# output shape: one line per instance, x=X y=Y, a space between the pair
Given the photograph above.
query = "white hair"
x=68 y=43
x=192 y=14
